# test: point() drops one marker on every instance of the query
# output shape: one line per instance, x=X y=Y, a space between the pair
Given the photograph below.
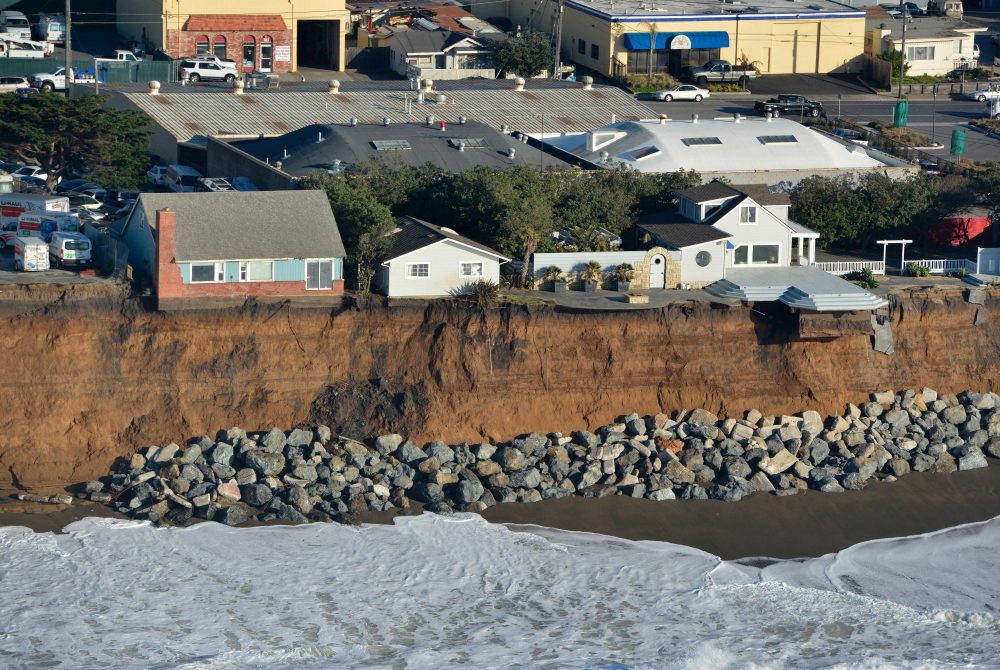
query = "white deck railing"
x=940 y=266
x=845 y=267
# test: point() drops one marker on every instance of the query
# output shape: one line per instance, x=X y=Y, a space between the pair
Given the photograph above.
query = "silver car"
x=682 y=92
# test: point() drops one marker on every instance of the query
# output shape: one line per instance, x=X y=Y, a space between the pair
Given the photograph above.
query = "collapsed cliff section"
x=91 y=376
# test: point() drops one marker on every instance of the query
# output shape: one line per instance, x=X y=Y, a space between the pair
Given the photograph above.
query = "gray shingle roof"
x=416 y=234
x=425 y=41
x=250 y=225
x=681 y=235
x=713 y=190
x=762 y=195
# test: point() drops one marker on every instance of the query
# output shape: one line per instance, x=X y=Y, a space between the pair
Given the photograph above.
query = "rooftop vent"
x=777 y=139
x=447 y=230
x=354 y=121
x=519 y=84
x=386 y=120
x=334 y=87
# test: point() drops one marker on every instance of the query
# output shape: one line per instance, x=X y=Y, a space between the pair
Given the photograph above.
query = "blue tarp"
x=707 y=39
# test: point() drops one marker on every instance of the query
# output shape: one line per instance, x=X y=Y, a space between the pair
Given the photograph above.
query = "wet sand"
x=807 y=524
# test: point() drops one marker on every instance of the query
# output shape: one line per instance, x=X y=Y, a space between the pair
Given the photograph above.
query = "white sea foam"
x=435 y=592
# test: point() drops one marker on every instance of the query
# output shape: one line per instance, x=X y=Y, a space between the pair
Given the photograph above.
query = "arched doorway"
x=657 y=271
x=249 y=61
x=201 y=45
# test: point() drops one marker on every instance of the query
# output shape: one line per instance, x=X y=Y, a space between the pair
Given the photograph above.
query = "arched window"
x=201 y=45
x=249 y=53
x=219 y=47
x=266 y=53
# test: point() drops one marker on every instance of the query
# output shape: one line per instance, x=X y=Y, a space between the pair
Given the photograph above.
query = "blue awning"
x=707 y=39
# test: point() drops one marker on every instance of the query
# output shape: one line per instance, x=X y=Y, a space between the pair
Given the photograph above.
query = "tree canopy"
x=515 y=211
x=68 y=136
x=855 y=212
x=525 y=56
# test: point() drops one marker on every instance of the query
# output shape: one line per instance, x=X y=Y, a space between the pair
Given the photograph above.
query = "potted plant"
x=591 y=275
x=558 y=279
x=623 y=276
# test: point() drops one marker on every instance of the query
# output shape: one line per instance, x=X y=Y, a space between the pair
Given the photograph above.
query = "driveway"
x=9 y=276
x=808 y=84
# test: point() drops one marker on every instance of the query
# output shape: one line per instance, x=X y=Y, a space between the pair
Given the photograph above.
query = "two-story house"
x=717 y=226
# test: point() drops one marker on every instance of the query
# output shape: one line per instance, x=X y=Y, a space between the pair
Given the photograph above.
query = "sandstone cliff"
x=91 y=375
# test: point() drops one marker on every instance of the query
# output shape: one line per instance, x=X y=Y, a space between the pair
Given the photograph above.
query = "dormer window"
x=748 y=215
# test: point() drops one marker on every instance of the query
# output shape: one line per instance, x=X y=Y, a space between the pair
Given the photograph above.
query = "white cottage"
x=717 y=226
x=432 y=261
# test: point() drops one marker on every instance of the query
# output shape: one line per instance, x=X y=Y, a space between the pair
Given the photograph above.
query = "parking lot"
x=10 y=276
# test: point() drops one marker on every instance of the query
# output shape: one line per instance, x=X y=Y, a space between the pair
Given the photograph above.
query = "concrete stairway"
x=797 y=298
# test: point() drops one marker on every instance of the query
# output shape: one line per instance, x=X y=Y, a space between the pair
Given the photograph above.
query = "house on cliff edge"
x=234 y=245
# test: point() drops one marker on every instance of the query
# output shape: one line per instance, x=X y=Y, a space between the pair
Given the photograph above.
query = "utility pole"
x=558 y=49
x=902 y=62
x=69 y=49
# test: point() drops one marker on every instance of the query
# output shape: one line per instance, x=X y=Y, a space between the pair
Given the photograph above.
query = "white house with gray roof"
x=234 y=245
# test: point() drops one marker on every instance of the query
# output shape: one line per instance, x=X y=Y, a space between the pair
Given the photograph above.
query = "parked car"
x=67 y=185
x=15 y=23
x=30 y=171
x=952 y=8
x=32 y=184
x=720 y=72
x=11 y=84
x=789 y=104
x=222 y=62
x=855 y=136
x=929 y=167
x=84 y=201
x=157 y=175
x=198 y=70
x=982 y=96
x=97 y=192
x=682 y=92
x=84 y=213
x=69 y=249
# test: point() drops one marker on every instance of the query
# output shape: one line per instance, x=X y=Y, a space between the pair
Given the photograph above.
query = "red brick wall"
x=170 y=286
x=182 y=44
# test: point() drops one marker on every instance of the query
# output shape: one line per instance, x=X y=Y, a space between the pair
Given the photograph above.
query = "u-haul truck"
x=13 y=205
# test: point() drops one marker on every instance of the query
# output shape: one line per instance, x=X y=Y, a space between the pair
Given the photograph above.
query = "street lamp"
x=933 y=114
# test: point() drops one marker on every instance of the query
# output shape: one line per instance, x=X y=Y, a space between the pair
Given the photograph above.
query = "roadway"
x=932 y=118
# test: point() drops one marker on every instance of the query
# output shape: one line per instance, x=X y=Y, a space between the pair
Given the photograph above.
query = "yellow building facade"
x=777 y=36
x=265 y=35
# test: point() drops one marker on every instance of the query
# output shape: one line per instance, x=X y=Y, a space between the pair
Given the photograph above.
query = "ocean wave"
x=434 y=592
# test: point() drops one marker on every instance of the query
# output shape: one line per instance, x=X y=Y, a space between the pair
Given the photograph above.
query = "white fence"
x=936 y=266
x=845 y=267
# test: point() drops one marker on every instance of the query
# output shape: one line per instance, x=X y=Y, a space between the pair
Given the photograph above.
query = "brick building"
x=265 y=35
x=234 y=245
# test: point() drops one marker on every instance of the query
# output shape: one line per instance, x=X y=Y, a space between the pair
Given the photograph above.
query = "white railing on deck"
x=845 y=267
x=940 y=266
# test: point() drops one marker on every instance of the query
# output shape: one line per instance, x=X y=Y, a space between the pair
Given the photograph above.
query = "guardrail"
x=845 y=267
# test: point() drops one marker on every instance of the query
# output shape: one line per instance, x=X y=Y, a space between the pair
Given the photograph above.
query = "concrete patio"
x=800 y=287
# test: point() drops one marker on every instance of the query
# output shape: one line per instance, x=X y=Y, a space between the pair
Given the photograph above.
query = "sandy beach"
x=807 y=524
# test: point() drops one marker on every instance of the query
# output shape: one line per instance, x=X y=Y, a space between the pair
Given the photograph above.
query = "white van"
x=69 y=249
x=181 y=178
x=15 y=23
x=31 y=254
x=51 y=28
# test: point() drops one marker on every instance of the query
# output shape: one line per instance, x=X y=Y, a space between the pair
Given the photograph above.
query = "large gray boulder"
x=222 y=453
x=386 y=444
x=273 y=442
x=264 y=462
x=300 y=438
x=512 y=459
x=410 y=453
x=467 y=491
x=257 y=495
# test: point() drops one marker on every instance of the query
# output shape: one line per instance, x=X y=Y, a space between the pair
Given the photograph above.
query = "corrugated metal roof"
x=566 y=108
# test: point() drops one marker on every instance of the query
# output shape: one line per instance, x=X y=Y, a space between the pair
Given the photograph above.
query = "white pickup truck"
x=56 y=80
x=10 y=48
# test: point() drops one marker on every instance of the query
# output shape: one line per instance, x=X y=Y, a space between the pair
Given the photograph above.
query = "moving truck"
x=181 y=178
x=43 y=225
x=51 y=28
x=13 y=205
x=31 y=254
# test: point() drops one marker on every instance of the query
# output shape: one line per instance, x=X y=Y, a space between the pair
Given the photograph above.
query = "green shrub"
x=914 y=270
x=864 y=278
x=958 y=274
x=485 y=294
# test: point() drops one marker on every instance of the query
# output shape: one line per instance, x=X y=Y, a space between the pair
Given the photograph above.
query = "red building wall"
x=183 y=44
x=171 y=287
x=958 y=230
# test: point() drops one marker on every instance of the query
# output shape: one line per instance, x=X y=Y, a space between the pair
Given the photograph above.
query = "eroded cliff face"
x=90 y=375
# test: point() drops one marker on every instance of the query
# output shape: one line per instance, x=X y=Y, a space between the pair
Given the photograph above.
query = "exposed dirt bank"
x=91 y=375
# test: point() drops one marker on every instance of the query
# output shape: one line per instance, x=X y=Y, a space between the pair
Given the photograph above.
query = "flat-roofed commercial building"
x=263 y=35
x=619 y=37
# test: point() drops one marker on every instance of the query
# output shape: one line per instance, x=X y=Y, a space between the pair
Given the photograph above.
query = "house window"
x=257 y=271
x=418 y=270
x=207 y=273
x=219 y=47
x=581 y=46
x=249 y=52
x=594 y=52
x=471 y=271
x=740 y=256
x=920 y=53
x=319 y=274
x=765 y=254
x=201 y=45
x=748 y=215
